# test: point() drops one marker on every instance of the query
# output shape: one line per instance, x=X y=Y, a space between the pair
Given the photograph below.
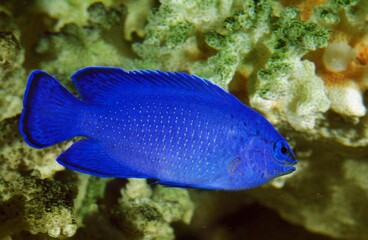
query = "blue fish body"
x=174 y=127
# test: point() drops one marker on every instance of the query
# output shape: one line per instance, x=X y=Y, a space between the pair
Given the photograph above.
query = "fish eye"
x=283 y=150
x=280 y=150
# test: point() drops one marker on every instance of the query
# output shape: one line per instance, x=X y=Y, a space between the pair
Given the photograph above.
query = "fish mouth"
x=289 y=165
x=287 y=169
x=291 y=162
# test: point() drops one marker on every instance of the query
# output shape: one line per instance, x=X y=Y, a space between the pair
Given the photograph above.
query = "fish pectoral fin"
x=89 y=156
x=233 y=165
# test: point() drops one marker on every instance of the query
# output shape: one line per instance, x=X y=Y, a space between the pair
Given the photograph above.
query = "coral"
x=76 y=47
x=140 y=212
x=136 y=17
x=286 y=87
x=11 y=59
x=270 y=56
x=351 y=14
x=170 y=41
x=306 y=7
x=69 y=11
x=144 y=213
x=16 y=158
x=89 y=189
x=301 y=63
x=341 y=64
x=38 y=206
x=343 y=70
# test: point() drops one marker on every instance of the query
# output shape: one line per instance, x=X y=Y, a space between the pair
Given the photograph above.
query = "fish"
x=173 y=127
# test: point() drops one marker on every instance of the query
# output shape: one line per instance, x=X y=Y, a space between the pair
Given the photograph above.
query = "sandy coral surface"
x=302 y=64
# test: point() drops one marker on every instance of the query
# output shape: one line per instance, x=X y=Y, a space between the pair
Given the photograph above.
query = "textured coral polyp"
x=306 y=6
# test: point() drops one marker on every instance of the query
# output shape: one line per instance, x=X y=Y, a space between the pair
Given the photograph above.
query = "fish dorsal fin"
x=96 y=84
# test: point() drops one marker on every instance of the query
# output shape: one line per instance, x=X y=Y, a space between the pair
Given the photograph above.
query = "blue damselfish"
x=177 y=128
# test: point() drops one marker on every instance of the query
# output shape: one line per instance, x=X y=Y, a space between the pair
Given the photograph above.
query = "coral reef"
x=303 y=64
x=28 y=198
x=11 y=59
x=38 y=206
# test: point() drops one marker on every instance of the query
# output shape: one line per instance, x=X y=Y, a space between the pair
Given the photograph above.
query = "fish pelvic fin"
x=49 y=111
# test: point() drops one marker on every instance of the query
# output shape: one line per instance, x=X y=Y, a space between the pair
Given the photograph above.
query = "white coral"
x=302 y=104
x=346 y=100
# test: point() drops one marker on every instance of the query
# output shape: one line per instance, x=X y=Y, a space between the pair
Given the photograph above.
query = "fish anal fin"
x=208 y=185
x=89 y=156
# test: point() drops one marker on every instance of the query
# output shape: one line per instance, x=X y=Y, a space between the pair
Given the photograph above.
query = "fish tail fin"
x=49 y=111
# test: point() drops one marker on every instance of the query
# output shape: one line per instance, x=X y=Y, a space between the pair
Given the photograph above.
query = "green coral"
x=290 y=40
x=333 y=11
x=174 y=32
x=240 y=34
x=144 y=213
x=29 y=201
x=268 y=44
x=295 y=37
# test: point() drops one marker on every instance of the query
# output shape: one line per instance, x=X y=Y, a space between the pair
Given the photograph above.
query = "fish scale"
x=147 y=125
x=177 y=128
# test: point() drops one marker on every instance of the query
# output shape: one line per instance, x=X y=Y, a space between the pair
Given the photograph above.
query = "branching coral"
x=288 y=86
x=174 y=32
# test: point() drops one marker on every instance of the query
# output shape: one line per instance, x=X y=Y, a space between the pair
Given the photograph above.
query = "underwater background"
x=302 y=64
